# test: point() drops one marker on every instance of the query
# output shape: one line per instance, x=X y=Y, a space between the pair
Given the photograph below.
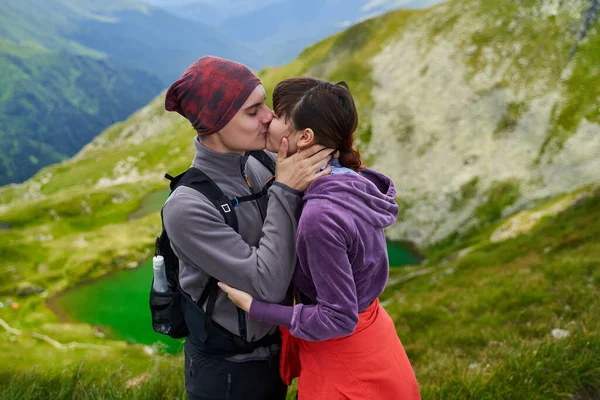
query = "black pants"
x=212 y=378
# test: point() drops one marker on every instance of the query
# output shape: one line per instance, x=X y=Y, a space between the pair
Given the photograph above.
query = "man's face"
x=247 y=130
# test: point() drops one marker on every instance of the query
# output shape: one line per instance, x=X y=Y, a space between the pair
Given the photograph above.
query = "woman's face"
x=280 y=129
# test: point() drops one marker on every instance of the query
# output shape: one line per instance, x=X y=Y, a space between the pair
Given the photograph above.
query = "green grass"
x=499 y=196
x=561 y=370
x=582 y=90
x=467 y=192
x=81 y=380
x=498 y=306
x=478 y=328
x=510 y=118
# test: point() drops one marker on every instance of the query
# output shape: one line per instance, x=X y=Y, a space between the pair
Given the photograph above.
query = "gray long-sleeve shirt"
x=260 y=259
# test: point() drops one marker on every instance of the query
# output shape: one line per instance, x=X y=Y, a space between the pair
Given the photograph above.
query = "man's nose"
x=268 y=116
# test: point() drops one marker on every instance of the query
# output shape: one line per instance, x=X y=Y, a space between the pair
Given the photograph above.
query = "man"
x=225 y=103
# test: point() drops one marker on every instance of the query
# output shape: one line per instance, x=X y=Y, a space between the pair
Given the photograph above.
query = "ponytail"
x=350 y=156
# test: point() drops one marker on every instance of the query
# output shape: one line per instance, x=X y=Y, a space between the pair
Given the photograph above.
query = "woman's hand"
x=241 y=299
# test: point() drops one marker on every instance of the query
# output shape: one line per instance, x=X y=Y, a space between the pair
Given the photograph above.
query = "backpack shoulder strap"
x=198 y=180
x=264 y=159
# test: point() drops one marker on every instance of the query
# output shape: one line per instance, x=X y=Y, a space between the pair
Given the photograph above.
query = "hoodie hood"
x=369 y=195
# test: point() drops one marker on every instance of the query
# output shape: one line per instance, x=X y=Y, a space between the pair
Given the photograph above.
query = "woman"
x=347 y=342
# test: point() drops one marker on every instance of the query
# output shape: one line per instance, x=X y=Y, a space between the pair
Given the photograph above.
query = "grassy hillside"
x=476 y=327
x=507 y=311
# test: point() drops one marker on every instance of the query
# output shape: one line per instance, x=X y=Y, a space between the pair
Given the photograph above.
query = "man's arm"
x=201 y=238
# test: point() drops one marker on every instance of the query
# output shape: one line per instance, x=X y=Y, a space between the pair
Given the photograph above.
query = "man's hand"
x=300 y=170
x=241 y=299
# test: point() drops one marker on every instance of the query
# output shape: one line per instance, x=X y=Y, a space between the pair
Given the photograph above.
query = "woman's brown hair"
x=326 y=108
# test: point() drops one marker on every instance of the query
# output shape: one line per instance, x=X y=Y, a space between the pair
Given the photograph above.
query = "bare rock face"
x=467 y=115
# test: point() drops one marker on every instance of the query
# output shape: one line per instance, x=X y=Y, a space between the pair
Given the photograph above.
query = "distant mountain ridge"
x=280 y=29
x=70 y=68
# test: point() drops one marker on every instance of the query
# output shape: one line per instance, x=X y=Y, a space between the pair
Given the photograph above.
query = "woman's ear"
x=306 y=139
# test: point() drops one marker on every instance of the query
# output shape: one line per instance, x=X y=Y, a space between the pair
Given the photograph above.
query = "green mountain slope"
x=71 y=68
x=53 y=102
x=459 y=105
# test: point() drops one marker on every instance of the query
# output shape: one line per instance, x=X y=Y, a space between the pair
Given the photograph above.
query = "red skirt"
x=369 y=364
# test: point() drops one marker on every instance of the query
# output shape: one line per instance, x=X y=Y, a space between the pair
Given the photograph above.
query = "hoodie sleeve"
x=323 y=239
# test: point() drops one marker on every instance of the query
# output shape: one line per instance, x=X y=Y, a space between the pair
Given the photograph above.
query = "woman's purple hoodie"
x=343 y=261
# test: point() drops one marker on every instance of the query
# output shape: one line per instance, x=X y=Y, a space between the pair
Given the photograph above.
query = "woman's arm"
x=323 y=237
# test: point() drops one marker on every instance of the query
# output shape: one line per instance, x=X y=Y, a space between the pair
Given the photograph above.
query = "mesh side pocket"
x=167 y=314
x=160 y=306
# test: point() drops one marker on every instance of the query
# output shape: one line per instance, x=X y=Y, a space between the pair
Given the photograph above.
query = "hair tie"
x=346 y=152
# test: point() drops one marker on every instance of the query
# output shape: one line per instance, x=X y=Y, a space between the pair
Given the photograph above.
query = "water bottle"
x=160 y=276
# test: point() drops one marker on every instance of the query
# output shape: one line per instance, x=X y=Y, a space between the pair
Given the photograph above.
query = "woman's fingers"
x=240 y=298
x=224 y=287
x=326 y=171
x=283 y=149
x=299 y=170
x=319 y=159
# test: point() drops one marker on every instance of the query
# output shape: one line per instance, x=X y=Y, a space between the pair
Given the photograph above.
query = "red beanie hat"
x=211 y=92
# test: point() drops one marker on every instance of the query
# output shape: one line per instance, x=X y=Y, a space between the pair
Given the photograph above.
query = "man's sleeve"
x=201 y=238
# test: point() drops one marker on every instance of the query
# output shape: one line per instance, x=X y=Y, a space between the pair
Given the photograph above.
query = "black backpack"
x=174 y=313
